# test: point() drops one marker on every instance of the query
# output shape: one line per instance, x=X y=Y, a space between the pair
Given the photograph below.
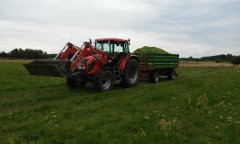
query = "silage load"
x=149 y=50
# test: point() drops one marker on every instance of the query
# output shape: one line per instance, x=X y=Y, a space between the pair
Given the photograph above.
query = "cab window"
x=113 y=47
x=103 y=46
x=126 y=47
x=118 y=48
x=106 y=47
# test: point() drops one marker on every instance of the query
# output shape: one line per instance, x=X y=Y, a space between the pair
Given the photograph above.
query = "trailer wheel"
x=131 y=73
x=103 y=80
x=171 y=75
x=154 y=77
x=76 y=81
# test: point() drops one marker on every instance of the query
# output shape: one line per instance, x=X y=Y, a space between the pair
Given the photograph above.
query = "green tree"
x=236 y=60
x=28 y=53
x=3 y=54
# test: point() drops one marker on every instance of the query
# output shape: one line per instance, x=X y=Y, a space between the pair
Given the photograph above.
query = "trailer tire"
x=131 y=73
x=75 y=82
x=103 y=80
x=171 y=75
x=154 y=77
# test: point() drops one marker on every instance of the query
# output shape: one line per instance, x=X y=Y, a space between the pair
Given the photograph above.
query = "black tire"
x=171 y=75
x=103 y=80
x=131 y=73
x=75 y=81
x=154 y=77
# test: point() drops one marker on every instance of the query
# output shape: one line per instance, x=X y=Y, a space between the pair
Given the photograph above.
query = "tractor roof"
x=111 y=39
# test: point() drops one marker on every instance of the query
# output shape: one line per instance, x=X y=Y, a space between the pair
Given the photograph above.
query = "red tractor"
x=107 y=61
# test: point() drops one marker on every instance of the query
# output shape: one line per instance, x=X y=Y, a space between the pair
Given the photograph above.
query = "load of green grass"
x=149 y=50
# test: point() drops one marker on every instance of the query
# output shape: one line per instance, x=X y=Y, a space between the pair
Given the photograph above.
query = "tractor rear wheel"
x=75 y=81
x=131 y=73
x=103 y=80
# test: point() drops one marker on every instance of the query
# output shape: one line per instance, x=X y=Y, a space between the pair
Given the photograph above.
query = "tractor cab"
x=115 y=48
x=112 y=46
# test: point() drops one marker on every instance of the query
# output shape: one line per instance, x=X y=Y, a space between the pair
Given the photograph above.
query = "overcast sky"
x=188 y=27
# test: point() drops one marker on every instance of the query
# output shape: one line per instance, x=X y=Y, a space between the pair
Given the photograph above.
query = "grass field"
x=201 y=106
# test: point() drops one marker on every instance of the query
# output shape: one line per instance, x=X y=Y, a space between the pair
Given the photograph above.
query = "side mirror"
x=128 y=41
x=90 y=41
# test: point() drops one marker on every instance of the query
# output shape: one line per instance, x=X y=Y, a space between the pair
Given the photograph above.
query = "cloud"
x=191 y=28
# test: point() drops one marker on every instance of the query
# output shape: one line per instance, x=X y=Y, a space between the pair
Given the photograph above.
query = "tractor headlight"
x=81 y=67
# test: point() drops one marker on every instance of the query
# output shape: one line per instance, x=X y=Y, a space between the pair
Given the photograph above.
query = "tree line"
x=217 y=58
x=26 y=54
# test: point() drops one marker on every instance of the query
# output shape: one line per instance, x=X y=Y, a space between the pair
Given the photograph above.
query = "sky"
x=188 y=27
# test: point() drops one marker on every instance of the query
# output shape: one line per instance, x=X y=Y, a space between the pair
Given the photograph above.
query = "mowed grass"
x=200 y=106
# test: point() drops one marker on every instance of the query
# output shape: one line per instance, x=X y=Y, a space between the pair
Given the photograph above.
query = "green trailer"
x=154 y=65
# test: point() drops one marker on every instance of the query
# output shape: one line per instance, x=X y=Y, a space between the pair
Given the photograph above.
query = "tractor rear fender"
x=135 y=57
x=124 y=61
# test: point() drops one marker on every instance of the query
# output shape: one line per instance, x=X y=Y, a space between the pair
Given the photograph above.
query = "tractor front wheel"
x=75 y=81
x=103 y=80
x=131 y=73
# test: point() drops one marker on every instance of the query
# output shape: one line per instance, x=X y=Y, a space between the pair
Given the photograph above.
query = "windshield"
x=105 y=46
x=110 y=47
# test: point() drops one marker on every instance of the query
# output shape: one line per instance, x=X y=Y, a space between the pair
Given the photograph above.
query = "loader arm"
x=69 y=52
x=88 y=50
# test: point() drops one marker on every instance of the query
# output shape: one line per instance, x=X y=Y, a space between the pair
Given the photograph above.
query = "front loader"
x=106 y=61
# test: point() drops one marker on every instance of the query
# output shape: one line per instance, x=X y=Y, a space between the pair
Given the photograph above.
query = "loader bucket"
x=53 y=68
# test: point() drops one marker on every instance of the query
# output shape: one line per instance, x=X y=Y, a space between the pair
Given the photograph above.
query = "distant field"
x=19 y=61
x=203 y=64
x=201 y=106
